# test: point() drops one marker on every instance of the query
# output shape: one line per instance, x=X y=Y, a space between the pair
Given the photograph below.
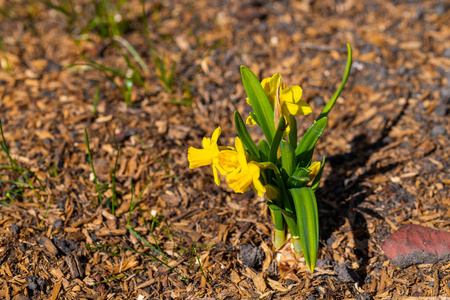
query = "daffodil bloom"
x=246 y=174
x=209 y=155
x=230 y=159
x=290 y=102
x=315 y=168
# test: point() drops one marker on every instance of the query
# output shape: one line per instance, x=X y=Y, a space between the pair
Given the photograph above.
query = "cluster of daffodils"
x=279 y=167
x=241 y=173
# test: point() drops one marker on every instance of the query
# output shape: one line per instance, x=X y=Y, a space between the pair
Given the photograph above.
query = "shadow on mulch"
x=351 y=193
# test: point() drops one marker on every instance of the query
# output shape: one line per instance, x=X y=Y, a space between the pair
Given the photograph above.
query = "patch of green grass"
x=18 y=170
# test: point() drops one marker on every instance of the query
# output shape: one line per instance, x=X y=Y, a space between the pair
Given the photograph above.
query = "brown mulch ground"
x=387 y=146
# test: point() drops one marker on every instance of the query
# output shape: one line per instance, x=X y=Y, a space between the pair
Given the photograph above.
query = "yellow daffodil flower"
x=229 y=159
x=246 y=174
x=289 y=98
x=315 y=168
x=209 y=155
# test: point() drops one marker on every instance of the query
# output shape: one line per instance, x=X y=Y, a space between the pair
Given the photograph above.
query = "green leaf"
x=296 y=182
x=259 y=102
x=270 y=166
x=264 y=150
x=245 y=137
x=308 y=223
x=280 y=232
x=288 y=161
x=305 y=148
x=316 y=180
x=330 y=103
x=292 y=137
x=277 y=139
x=291 y=222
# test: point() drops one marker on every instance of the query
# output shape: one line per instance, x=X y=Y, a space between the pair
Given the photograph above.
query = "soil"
x=387 y=147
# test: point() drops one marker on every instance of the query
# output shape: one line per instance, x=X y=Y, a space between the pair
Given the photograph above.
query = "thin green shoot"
x=15 y=182
x=181 y=246
x=100 y=199
x=154 y=239
x=114 y=202
x=133 y=52
x=333 y=99
x=147 y=243
x=13 y=163
x=194 y=252
x=166 y=78
x=151 y=256
x=9 y=194
x=97 y=94
x=132 y=206
x=129 y=86
x=45 y=214
x=55 y=169
x=187 y=101
x=5 y=203
x=158 y=160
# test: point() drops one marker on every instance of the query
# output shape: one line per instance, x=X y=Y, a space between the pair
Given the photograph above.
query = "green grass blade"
x=131 y=229
x=132 y=51
x=305 y=148
x=307 y=223
x=14 y=165
x=245 y=137
x=330 y=103
x=100 y=200
x=259 y=102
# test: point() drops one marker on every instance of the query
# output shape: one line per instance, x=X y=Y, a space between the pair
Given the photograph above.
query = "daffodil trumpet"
x=280 y=167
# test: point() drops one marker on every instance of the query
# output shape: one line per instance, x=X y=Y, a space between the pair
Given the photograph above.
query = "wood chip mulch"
x=387 y=147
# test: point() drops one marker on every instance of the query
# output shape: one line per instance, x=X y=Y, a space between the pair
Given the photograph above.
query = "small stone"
x=65 y=245
x=323 y=262
x=440 y=9
x=440 y=110
x=345 y=274
x=15 y=229
x=446 y=53
x=58 y=223
x=33 y=286
x=363 y=296
x=318 y=101
x=252 y=257
x=438 y=130
x=417 y=244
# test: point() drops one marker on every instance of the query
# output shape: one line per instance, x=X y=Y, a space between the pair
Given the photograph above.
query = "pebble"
x=438 y=130
x=252 y=257
x=345 y=274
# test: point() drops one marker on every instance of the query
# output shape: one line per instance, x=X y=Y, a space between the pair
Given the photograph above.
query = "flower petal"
x=199 y=157
x=292 y=94
x=250 y=121
x=216 y=176
x=296 y=109
x=215 y=135
x=228 y=161
x=206 y=143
